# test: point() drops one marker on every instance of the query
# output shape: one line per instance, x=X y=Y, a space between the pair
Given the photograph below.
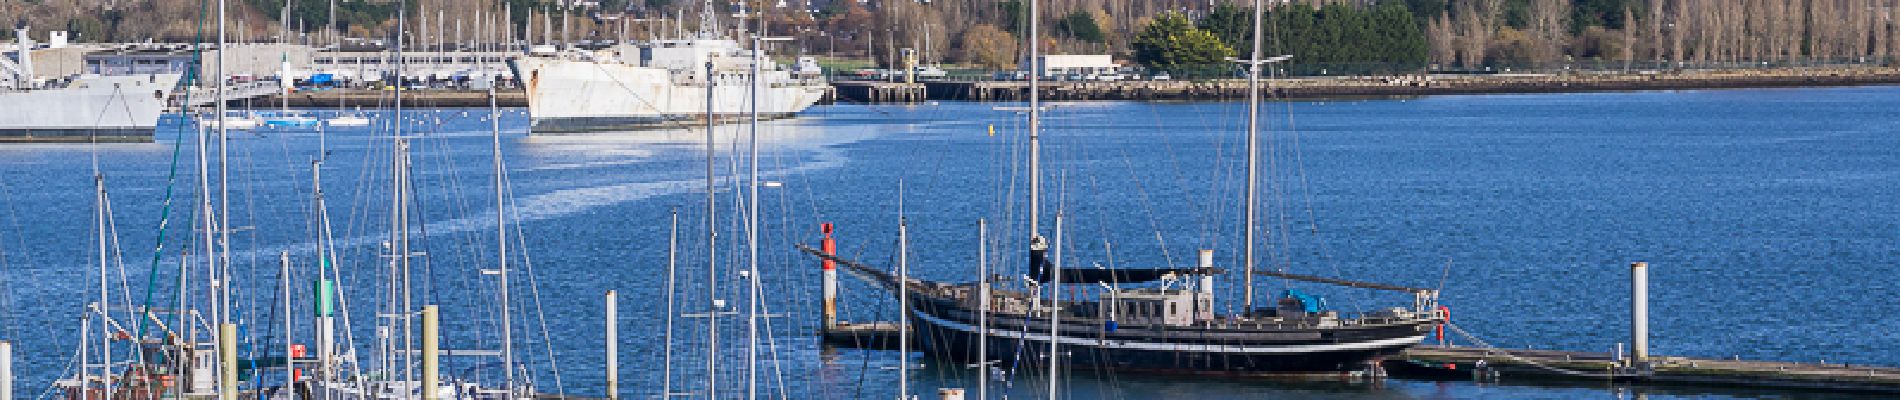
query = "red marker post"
x=830 y=247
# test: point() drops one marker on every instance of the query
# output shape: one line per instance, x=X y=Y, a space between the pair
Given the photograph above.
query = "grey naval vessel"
x=80 y=108
x=661 y=84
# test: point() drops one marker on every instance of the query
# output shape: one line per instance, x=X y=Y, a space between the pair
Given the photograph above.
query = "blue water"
x=1766 y=216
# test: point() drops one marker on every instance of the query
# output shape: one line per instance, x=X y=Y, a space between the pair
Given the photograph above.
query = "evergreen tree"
x=1171 y=43
x=1081 y=26
x=1232 y=24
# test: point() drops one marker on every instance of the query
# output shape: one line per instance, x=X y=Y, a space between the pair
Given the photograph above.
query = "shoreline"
x=1302 y=88
x=1360 y=87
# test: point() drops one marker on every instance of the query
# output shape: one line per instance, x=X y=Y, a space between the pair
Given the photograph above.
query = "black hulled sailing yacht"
x=1155 y=320
x=1168 y=325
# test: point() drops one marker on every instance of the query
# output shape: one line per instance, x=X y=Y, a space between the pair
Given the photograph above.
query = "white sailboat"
x=354 y=119
x=231 y=120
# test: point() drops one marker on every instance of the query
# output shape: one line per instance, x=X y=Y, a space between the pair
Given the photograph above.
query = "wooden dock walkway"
x=1435 y=362
x=1432 y=362
x=879 y=92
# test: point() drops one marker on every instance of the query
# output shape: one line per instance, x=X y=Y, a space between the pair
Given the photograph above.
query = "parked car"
x=1160 y=76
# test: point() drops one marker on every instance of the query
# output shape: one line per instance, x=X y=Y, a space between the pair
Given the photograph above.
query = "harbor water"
x=1766 y=216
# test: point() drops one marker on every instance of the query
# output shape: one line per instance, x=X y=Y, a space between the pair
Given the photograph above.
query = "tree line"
x=1396 y=35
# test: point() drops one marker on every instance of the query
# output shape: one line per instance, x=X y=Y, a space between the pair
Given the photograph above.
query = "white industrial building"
x=1056 y=65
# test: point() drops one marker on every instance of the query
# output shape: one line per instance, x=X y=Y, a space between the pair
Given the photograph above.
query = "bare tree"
x=1656 y=19
x=1442 y=39
x=1628 y=53
x=1878 y=27
x=1477 y=23
x=1893 y=28
x=1679 y=24
x=1549 y=29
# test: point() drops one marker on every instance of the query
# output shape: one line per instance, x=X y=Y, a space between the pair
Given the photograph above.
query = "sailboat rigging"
x=1156 y=320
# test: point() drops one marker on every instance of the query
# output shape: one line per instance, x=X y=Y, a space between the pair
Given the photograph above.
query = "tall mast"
x=224 y=206
x=290 y=374
x=501 y=238
x=1253 y=157
x=105 y=320
x=712 y=248
x=212 y=223
x=1035 y=186
x=322 y=299
x=1036 y=126
x=903 y=309
x=1055 y=311
x=399 y=262
x=983 y=309
x=752 y=234
x=214 y=275
x=672 y=256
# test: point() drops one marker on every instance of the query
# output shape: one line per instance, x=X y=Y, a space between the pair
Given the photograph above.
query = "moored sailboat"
x=1151 y=320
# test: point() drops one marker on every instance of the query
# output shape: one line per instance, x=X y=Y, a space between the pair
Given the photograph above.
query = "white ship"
x=83 y=108
x=659 y=84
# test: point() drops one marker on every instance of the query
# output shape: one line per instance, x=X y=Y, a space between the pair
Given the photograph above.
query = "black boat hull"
x=956 y=340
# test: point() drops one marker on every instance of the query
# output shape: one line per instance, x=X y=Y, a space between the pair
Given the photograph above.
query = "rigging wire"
x=1507 y=354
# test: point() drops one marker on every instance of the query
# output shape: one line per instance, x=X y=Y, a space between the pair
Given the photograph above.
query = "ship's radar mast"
x=708 y=21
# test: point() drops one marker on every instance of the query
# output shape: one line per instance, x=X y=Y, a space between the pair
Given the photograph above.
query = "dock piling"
x=431 y=350
x=6 y=370
x=830 y=248
x=613 y=345
x=1639 y=313
x=227 y=361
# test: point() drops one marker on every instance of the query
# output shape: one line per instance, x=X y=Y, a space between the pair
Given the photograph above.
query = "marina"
x=706 y=210
x=574 y=161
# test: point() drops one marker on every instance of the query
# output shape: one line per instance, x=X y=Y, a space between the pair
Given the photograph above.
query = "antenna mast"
x=708 y=21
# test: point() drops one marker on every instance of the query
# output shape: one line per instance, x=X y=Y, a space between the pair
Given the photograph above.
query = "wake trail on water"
x=566 y=202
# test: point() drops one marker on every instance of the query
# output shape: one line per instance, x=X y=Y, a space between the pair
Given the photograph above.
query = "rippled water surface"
x=1767 y=216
